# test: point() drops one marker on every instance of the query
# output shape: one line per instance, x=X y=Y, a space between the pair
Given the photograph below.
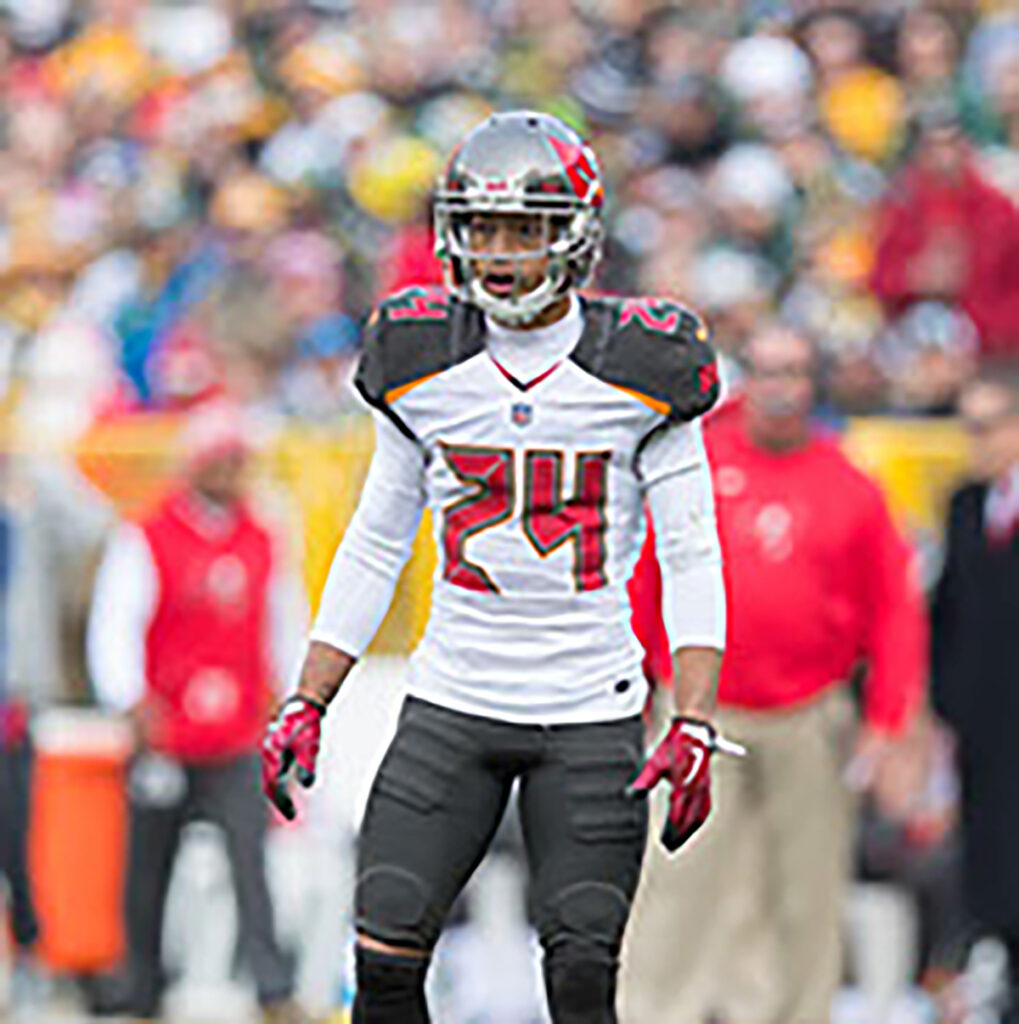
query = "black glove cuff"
x=702 y=722
x=302 y=698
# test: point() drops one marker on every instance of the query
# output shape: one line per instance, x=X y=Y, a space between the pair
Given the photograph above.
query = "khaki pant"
x=746 y=920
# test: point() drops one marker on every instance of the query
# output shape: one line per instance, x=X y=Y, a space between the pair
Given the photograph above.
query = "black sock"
x=580 y=990
x=390 y=988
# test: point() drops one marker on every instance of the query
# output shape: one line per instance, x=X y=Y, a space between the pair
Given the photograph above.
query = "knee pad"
x=582 y=932
x=593 y=912
x=394 y=905
x=390 y=988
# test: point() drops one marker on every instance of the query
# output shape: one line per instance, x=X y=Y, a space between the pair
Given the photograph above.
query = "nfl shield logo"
x=521 y=414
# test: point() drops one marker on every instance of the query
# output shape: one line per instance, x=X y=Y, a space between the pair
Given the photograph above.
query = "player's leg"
x=585 y=841
x=156 y=819
x=229 y=795
x=434 y=807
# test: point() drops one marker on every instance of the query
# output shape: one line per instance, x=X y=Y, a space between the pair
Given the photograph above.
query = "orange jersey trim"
x=652 y=403
x=394 y=393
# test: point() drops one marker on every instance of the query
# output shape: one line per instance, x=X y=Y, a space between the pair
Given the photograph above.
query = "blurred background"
x=201 y=200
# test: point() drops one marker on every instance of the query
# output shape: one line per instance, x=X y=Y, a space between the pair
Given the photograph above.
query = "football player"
x=535 y=425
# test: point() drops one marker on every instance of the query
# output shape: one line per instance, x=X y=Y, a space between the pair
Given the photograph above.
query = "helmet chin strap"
x=518 y=310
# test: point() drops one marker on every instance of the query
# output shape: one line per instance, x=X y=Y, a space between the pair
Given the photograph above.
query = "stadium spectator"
x=819 y=578
x=945 y=234
x=193 y=620
x=860 y=105
x=975 y=659
x=929 y=354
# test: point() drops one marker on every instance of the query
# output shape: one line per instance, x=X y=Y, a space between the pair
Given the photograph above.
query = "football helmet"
x=522 y=162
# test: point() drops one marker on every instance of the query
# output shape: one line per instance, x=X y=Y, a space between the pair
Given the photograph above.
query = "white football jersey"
x=536 y=497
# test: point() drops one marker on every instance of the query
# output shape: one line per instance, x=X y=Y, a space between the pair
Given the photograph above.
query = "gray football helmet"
x=530 y=163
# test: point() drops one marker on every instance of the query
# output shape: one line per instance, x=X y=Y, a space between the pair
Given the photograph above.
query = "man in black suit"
x=976 y=660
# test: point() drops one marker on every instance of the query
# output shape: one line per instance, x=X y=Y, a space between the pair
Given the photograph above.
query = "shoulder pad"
x=411 y=336
x=656 y=349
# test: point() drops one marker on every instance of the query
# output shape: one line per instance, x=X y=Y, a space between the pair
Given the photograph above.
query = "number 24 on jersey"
x=549 y=518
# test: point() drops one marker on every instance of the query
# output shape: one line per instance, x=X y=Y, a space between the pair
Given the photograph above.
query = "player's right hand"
x=291 y=744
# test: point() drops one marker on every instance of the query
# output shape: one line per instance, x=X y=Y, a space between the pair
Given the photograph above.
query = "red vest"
x=207 y=647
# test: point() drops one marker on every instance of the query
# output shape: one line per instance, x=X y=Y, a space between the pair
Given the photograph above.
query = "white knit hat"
x=764 y=67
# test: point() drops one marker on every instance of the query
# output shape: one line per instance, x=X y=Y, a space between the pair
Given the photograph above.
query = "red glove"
x=683 y=757
x=291 y=741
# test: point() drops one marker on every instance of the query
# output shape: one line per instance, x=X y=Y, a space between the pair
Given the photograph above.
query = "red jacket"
x=645 y=590
x=206 y=649
x=921 y=207
x=817 y=577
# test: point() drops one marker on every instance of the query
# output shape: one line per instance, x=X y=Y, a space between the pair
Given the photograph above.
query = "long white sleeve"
x=376 y=545
x=123 y=604
x=677 y=481
x=287 y=614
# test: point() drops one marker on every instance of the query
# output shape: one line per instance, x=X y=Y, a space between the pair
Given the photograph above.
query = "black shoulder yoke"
x=655 y=349
x=411 y=336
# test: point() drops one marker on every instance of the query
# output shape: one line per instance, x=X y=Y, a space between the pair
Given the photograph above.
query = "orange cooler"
x=78 y=837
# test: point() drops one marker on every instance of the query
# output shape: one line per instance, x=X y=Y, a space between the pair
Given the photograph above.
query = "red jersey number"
x=490 y=471
x=549 y=518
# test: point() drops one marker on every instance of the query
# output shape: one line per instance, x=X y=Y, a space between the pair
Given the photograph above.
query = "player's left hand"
x=291 y=743
x=683 y=759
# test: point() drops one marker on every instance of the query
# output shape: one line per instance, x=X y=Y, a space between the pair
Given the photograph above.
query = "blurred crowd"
x=202 y=198
x=207 y=195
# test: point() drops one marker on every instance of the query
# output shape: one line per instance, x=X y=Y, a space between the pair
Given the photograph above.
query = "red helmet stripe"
x=578 y=167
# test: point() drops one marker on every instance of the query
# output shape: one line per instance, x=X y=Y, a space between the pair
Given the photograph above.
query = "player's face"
x=509 y=251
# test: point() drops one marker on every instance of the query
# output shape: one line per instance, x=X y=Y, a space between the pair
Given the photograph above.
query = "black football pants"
x=436 y=802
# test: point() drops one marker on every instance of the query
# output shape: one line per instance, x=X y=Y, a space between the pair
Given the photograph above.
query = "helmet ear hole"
x=559 y=225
